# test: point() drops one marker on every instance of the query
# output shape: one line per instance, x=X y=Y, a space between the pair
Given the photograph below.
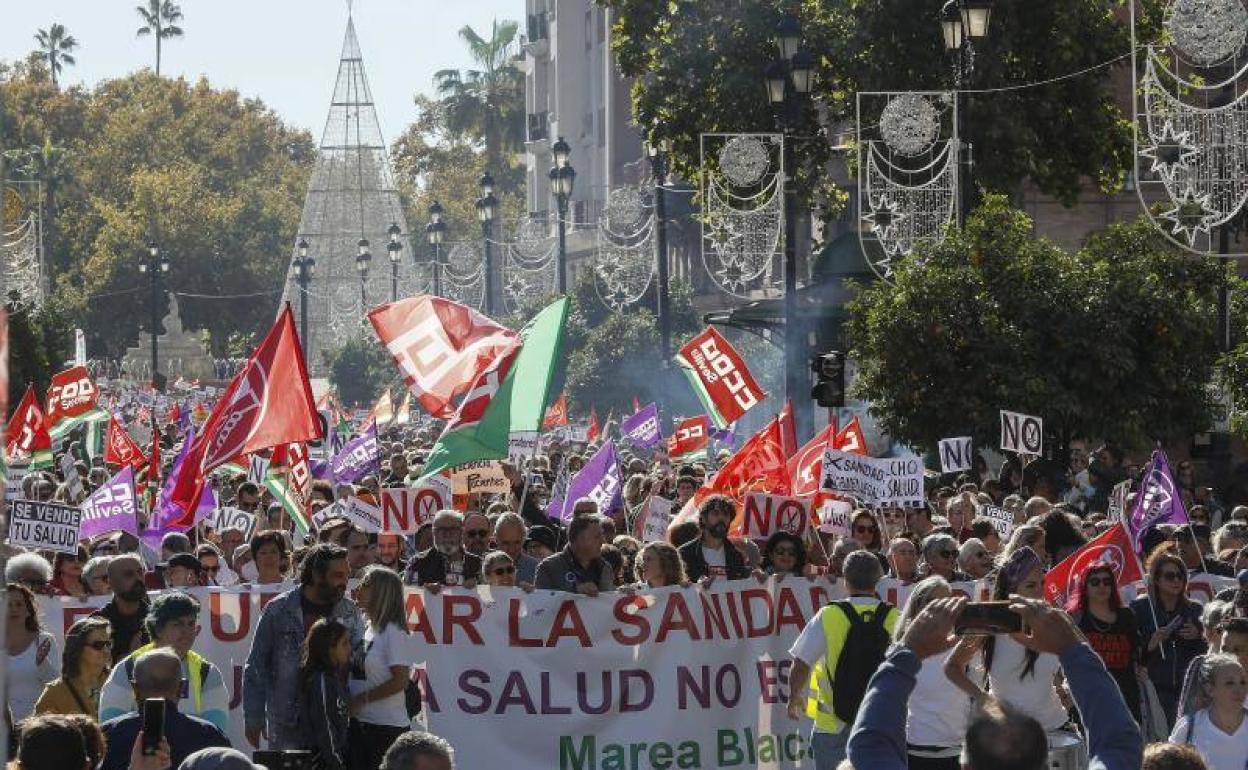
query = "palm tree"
x=160 y=19
x=487 y=102
x=56 y=47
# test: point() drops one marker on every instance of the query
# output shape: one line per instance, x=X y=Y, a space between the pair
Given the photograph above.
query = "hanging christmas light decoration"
x=907 y=173
x=1191 y=121
x=528 y=264
x=743 y=210
x=624 y=256
x=21 y=229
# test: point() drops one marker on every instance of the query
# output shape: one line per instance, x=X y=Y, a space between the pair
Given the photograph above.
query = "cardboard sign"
x=73 y=482
x=13 y=484
x=579 y=433
x=654 y=519
x=1118 y=501
x=257 y=468
x=835 y=517
x=404 y=509
x=1002 y=519
x=521 y=446
x=955 y=454
x=874 y=481
x=230 y=517
x=765 y=514
x=361 y=514
x=480 y=477
x=1021 y=433
x=44 y=526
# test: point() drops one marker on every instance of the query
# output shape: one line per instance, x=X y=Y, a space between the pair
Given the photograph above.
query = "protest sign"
x=835 y=517
x=73 y=482
x=1021 y=433
x=404 y=509
x=874 y=481
x=480 y=477
x=257 y=469
x=672 y=672
x=521 y=446
x=41 y=526
x=765 y=514
x=955 y=454
x=229 y=517
x=111 y=508
x=13 y=483
x=1118 y=501
x=1002 y=519
x=653 y=520
x=364 y=515
x=579 y=433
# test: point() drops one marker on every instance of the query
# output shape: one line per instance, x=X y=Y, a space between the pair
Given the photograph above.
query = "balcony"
x=537 y=35
x=538 y=128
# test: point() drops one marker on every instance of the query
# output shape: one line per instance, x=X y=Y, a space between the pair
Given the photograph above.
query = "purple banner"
x=599 y=481
x=1157 y=502
x=165 y=509
x=359 y=457
x=111 y=508
x=642 y=429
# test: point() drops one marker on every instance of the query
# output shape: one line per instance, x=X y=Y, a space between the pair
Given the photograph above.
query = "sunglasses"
x=100 y=645
x=1097 y=582
x=503 y=571
x=1170 y=576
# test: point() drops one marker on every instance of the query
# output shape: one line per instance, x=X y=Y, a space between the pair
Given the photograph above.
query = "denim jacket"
x=271 y=676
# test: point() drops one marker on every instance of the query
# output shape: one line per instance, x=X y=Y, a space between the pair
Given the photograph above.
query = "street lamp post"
x=362 y=260
x=788 y=81
x=659 y=151
x=487 y=210
x=962 y=23
x=305 y=266
x=393 y=248
x=154 y=266
x=562 y=180
x=435 y=233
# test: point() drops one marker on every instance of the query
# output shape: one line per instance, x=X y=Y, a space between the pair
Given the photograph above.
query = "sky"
x=284 y=52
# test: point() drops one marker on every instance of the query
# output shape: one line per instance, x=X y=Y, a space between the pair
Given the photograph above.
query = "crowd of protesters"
x=325 y=673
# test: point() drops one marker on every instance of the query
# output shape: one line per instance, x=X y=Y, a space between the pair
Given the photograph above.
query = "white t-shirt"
x=716 y=562
x=1035 y=694
x=29 y=671
x=385 y=649
x=937 y=712
x=1221 y=751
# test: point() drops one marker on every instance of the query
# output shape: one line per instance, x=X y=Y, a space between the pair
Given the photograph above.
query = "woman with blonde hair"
x=1218 y=729
x=85 y=665
x=1030 y=536
x=659 y=565
x=378 y=703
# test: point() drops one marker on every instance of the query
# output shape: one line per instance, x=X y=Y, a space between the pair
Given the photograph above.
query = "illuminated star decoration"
x=731 y=276
x=722 y=235
x=884 y=219
x=1191 y=214
x=1171 y=153
x=516 y=287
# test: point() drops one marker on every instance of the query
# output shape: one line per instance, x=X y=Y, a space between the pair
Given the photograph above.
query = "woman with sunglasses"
x=1110 y=629
x=940 y=555
x=33 y=659
x=784 y=555
x=1170 y=630
x=84 y=667
x=67 y=574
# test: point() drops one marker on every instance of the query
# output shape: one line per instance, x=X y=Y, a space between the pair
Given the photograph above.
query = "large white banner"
x=667 y=678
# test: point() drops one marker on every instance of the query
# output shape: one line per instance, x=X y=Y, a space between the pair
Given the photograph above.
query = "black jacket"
x=430 y=567
x=695 y=562
x=324 y=718
x=186 y=735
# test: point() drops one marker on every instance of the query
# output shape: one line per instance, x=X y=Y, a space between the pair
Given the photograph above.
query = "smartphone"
x=987 y=618
x=153 y=725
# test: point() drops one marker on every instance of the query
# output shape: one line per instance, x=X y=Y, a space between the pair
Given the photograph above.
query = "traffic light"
x=829 y=369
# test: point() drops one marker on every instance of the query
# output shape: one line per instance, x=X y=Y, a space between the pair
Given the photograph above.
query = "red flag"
x=1113 y=548
x=805 y=464
x=152 y=476
x=27 y=432
x=120 y=448
x=719 y=377
x=788 y=430
x=594 y=429
x=556 y=413
x=72 y=400
x=268 y=403
x=175 y=413
x=441 y=347
x=758 y=466
x=690 y=436
x=851 y=438
x=636 y=405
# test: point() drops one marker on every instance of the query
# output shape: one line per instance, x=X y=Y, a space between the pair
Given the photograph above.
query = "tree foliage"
x=160 y=20
x=359 y=370
x=215 y=180
x=40 y=342
x=699 y=67
x=57 y=46
x=1115 y=340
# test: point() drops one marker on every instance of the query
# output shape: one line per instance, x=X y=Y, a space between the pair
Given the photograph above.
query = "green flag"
x=508 y=397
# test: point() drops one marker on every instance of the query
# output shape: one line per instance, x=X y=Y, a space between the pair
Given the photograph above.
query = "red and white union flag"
x=441 y=347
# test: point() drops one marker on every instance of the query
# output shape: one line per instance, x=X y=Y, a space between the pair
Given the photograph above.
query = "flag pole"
x=1135 y=554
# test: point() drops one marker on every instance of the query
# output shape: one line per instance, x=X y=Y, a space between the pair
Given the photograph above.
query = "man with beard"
x=127 y=610
x=390 y=548
x=711 y=554
x=446 y=563
x=271 y=677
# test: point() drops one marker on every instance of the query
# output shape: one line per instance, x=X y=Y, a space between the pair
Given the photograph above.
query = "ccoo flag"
x=719 y=377
x=1158 y=501
x=27 y=433
x=507 y=398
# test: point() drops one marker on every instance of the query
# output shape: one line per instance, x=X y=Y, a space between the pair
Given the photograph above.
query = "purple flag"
x=165 y=509
x=599 y=480
x=1157 y=502
x=642 y=428
x=359 y=457
x=111 y=507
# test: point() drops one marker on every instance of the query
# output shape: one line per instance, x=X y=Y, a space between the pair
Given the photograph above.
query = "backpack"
x=863 y=652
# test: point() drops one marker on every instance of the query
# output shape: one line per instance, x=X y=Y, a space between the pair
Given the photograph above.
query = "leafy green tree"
x=487 y=102
x=1115 y=340
x=160 y=20
x=359 y=369
x=40 y=342
x=57 y=47
x=699 y=67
